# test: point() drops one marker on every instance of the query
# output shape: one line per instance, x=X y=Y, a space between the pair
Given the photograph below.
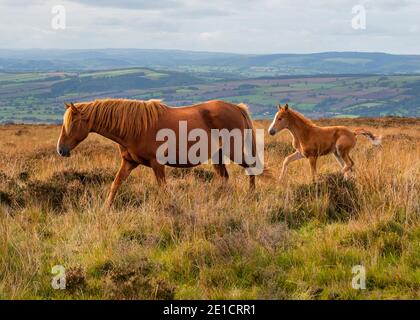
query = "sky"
x=239 y=26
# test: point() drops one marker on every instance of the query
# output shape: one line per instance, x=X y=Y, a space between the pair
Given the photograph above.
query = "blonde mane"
x=127 y=117
x=302 y=118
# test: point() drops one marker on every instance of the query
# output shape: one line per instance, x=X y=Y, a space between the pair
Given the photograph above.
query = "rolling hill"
x=35 y=83
x=243 y=65
x=38 y=97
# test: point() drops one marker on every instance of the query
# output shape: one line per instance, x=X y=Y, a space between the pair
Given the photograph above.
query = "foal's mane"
x=302 y=118
x=127 y=117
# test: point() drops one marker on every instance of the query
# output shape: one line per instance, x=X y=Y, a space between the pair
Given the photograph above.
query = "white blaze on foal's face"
x=279 y=121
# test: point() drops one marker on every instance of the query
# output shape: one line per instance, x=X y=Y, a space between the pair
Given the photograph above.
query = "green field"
x=38 y=97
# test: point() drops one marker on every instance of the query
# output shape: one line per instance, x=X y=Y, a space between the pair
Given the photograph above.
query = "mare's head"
x=75 y=129
x=280 y=121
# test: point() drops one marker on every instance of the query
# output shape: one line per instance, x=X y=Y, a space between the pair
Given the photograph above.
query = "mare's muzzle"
x=63 y=151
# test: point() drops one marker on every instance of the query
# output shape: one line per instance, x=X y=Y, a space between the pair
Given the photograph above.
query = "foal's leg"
x=123 y=173
x=159 y=170
x=348 y=168
x=312 y=161
x=289 y=159
x=344 y=145
x=339 y=159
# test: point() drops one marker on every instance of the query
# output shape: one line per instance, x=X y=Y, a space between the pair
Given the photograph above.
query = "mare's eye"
x=279 y=119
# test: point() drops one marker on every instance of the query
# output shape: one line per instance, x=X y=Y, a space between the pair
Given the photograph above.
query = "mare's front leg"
x=123 y=173
x=159 y=170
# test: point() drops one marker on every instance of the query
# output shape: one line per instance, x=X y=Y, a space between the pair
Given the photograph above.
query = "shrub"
x=342 y=196
x=138 y=281
x=75 y=279
x=197 y=172
x=96 y=176
x=281 y=149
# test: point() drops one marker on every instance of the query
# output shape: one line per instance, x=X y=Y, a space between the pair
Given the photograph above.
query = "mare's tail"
x=243 y=108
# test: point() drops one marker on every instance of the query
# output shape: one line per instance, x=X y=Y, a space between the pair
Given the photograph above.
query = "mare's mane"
x=128 y=117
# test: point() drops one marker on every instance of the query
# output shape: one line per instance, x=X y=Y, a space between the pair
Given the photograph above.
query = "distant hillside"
x=231 y=65
x=38 y=97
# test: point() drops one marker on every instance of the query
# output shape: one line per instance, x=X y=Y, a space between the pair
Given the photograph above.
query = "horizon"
x=209 y=51
x=204 y=51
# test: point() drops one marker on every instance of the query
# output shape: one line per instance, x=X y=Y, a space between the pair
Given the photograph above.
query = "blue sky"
x=243 y=26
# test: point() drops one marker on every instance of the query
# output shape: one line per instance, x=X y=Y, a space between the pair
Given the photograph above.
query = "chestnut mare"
x=311 y=141
x=133 y=124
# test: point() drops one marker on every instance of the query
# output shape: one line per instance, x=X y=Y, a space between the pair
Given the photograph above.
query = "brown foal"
x=312 y=141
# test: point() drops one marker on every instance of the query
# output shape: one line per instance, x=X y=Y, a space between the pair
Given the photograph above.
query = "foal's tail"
x=376 y=140
x=243 y=108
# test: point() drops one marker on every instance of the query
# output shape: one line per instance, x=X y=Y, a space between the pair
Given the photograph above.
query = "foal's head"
x=280 y=121
x=75 y=129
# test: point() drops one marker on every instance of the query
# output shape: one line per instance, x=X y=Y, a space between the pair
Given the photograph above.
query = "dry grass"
x=200 y=239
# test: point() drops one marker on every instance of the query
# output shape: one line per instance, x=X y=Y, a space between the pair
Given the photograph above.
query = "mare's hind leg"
x=251 y=177
x=243 y=165
x=251 y=182
x=220 y=167
x=123 y=173
x=221 y=171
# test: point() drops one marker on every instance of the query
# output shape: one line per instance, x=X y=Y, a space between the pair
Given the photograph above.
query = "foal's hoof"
x=107 y=206
x=348 y=177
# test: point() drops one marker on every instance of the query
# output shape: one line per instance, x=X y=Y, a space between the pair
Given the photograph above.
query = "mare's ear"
x=72 y=107
x=286 y=107
x=279 y=106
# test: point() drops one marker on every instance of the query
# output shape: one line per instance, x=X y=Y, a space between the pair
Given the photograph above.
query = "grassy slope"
x=204 y=240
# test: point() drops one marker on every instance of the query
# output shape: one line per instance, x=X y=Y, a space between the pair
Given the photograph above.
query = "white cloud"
x=264 y=26
x=206 y=36
x=131 y=4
